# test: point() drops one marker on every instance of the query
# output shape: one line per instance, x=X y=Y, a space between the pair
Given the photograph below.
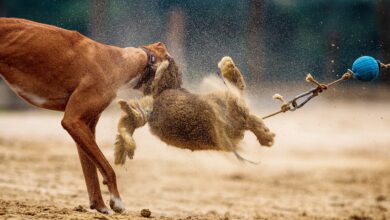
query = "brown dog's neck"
x=133 y=63
x=149 y=71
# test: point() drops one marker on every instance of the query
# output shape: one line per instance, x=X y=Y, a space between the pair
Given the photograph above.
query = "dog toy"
x=364 y=68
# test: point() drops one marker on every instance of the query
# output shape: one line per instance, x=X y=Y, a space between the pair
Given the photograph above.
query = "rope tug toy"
x=364 y=68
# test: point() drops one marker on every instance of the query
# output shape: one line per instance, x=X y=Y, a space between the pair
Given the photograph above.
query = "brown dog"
x=62 y=70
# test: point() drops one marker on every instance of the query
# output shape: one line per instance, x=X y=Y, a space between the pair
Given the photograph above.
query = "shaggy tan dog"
x=215 y=121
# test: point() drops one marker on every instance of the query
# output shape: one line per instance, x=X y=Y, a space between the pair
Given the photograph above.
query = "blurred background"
x=330 y=159
x=274 y=42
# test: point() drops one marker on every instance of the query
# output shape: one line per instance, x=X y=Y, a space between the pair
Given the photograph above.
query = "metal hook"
x=294 y=104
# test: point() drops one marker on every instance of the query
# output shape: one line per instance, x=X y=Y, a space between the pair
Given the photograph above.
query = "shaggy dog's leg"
x=263 y=134
x=135 y=115
x=224 y=143
x=230 y=72
x=125 y=144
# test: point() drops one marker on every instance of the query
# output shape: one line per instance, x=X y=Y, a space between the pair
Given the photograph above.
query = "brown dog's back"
x=35 y=55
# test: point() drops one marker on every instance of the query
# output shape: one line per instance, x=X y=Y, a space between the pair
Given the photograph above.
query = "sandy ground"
x=330 y=161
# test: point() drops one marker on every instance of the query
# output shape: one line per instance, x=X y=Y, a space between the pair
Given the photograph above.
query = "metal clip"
x=295 y=103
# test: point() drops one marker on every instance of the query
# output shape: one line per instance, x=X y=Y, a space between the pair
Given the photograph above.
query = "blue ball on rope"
x=366 y=68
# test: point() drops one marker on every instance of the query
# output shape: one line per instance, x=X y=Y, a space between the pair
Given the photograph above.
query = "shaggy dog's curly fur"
x=215 y=121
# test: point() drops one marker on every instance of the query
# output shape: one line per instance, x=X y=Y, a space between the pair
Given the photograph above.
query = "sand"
x=327 y=163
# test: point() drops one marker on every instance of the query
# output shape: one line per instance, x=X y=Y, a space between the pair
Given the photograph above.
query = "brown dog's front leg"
x=84 y=107
x=92 y=183
x=91 y=177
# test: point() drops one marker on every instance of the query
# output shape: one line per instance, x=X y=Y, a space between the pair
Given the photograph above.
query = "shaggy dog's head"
x=167 y=76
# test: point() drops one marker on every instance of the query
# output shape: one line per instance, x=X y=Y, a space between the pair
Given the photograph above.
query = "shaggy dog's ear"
x=167 y=76
x=160 y=71
x=124 y=106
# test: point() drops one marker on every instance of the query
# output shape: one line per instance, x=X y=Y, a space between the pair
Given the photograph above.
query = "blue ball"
x=365 y=68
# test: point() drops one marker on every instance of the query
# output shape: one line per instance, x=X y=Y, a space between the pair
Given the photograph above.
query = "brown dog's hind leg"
x=263 y=134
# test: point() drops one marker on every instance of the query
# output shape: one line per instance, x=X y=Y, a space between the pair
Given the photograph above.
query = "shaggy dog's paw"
x=133 y=110
x=262 y=132
x=124 y=146
x=267 y=138
x=130 y=153
x=138 y=114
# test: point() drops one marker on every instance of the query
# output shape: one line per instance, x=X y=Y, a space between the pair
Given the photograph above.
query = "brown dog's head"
x=160 y=51
x=157 y=53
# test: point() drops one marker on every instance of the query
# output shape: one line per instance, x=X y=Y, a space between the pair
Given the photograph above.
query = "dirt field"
x=327 y=163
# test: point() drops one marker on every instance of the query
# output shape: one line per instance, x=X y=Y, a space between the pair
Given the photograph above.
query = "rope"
x=293 y=104
x=385 y=66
